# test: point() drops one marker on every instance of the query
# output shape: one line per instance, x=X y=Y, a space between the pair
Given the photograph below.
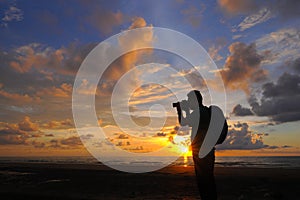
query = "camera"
x=182 y=105
x=175 y=105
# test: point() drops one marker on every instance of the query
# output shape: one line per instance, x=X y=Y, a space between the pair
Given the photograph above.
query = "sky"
x=254 y=44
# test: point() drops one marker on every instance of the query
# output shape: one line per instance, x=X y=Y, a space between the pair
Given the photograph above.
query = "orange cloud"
x=138 y=22
x=236 y=6
x=242 y=67
x=27 y=125
x=31 y=56
x=20 y=133
x=72 y=141
x=46 y=60
x=63 y=124
x=64 y=91
x=194 y=14
x=105 y=20
x=21 y=98
x=127 y=61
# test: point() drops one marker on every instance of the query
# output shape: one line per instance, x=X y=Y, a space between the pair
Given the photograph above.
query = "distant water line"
x=236 y=161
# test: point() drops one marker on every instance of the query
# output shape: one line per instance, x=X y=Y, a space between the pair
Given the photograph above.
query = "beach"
x=86 y=181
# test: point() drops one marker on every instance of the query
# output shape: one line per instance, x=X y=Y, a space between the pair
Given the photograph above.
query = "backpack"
x=224 y=132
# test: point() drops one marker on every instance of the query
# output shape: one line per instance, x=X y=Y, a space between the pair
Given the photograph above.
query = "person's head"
x=194 y=99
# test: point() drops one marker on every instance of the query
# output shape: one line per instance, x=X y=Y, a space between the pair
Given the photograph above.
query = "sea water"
x=228 y=161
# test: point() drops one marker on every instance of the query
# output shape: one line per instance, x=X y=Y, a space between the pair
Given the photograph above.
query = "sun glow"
x=184 y=149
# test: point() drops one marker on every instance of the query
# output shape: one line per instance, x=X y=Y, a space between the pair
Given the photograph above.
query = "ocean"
x=234 y=161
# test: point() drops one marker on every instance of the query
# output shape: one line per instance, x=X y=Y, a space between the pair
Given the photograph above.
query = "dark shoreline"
x=84 y=181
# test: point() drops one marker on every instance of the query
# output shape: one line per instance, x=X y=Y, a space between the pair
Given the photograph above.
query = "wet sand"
x=82 y=181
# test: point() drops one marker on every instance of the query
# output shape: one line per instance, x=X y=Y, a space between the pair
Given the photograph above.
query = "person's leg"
x=204 y=169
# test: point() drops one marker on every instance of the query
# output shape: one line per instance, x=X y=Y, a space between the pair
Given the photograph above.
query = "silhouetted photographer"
x=198 y=117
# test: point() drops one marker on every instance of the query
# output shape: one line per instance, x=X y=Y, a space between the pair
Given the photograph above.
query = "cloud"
x=21 y=98
x=102 y=18
x=295 y=65
x=119 y=67
x=13 y=136
x=12 y=14
x=213 y=51
x=160 y=134
x=242 y=67
x=55 y=124
x=126 y=62
x=54 y=144
x=241 y=137
x=71 y=141
x=234 y=7
x=64 y=60
x=193 y=15
x=63 y=91
x=127 y=143
x=87 y=136
x=280 y=100
x=285 y=9
x=20 y=133
x=280 y=46
x=123 y=136
x=41 y=75
x=27 y=125
x=192 y=76
x=145 y=94
x=137 y=22
x=37 y=144
x=238 y=110
x=254 y=19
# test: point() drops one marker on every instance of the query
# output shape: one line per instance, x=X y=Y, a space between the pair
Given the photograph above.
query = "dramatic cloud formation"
x=279 y=101
x=43 y=46
x=241 y=137
x=242 y=67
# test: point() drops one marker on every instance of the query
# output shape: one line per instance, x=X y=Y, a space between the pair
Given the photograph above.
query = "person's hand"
x=184 y=105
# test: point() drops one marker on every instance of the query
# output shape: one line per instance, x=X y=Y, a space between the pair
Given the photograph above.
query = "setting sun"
x=185 y=150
